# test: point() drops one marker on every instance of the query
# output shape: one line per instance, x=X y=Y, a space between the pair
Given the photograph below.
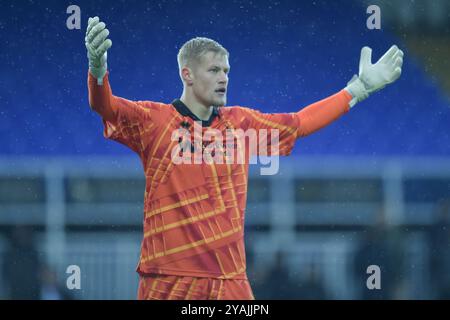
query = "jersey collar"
x=185 y=111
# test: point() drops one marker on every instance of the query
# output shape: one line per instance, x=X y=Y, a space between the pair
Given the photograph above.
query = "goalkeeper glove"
x=373 y=77
x=97 y=45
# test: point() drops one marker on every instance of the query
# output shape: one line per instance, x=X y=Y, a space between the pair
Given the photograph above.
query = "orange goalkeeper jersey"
x=194 y=213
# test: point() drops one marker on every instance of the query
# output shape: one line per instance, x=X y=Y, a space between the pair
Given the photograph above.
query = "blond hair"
x=191 y=52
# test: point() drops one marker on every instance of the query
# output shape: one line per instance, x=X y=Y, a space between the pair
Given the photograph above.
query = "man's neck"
x=202 y=112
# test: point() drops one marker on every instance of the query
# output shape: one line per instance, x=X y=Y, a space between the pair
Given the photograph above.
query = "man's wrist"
x=356 y=88
x=354 y=99
x=99 y=73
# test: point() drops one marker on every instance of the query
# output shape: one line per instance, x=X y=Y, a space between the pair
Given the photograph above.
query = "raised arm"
x=101 y=99
x=371 y=78
x=374 y=77
x=97 y=46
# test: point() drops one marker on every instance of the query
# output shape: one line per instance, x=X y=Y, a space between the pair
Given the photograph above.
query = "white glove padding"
x=97 y=45
x=373 y=77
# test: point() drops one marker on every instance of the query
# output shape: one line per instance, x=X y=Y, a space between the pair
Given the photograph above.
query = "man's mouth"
x=221 y=91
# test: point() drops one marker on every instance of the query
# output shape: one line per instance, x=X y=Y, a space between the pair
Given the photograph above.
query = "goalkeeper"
x=193 y=241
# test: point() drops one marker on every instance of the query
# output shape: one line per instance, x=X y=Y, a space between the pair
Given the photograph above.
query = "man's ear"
x=187 y=75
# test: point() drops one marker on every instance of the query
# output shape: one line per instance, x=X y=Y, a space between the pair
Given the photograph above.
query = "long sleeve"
x=125 y=121
x=101 y=99
x=323 y=112
x=291 y=126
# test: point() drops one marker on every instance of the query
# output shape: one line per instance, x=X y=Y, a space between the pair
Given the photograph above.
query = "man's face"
x=210 y=79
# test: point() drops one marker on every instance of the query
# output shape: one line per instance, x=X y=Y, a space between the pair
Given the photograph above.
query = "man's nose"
x=223 y=78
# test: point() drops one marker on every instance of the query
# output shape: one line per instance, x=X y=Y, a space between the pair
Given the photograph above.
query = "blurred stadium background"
x=373 y=188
